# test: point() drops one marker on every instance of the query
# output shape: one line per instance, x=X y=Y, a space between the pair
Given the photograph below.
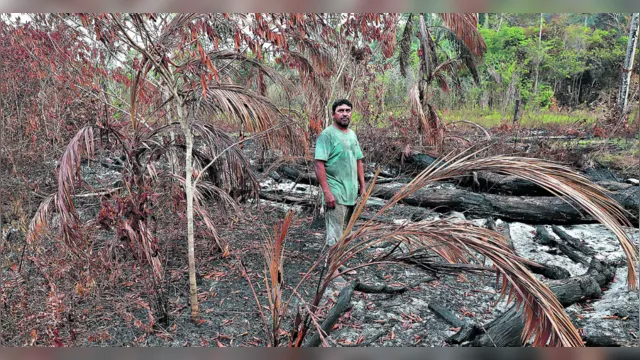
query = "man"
x=339 y=168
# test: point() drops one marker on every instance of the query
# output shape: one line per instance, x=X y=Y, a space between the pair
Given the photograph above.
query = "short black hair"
x=338 y=103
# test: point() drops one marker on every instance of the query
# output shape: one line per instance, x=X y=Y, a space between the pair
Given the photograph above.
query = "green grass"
x=493 y=118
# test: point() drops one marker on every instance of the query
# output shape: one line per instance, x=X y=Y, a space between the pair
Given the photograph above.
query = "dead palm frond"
x=231 y=170
x=274 y=280
x=230 y=63
x=405 y=46
x=558 y=179
x=170 y=36
x=460 y=51
x=40 y=220
x=416 y=108
x=465 y=26
x=307 y=71
x=255 y=112
x=68 y=174
x=199 y=190
x=430 y=259
x=228 y=169
x=572 y=187
x=464 y=243
x=320 y=57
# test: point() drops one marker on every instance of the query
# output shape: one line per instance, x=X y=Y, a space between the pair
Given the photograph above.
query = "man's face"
x=342 y=115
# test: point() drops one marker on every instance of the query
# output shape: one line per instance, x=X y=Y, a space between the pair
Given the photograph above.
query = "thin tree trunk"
x=173 y=158
x=193 y=286
x=628 y=65
x=535 y=85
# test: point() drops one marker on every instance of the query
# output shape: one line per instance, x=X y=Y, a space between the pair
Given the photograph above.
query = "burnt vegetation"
x=157 y=186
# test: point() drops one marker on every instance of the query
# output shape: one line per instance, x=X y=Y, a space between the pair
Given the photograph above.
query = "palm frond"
x=441 y=71
x=430 y=260
x=545 y=320
x=198 y=197
x=559 y=180
x=170 y=35
x=405 y=45
x=320 y=57
x=274 y=262
x=40 y=220
x=461 y=51
x=460 y=242
x=429 y=57
x=310 y=77
x=232 y=63
x=232 y=170
x=68 y=174
x=416 y=108
x=466 y=29
x=255 y=112
x=464 y=243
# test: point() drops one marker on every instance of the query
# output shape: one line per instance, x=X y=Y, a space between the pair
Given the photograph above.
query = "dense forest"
x=157 y=184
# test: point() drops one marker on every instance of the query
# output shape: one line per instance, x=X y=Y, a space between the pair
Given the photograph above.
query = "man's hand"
x=361 y=191
x=329 y=200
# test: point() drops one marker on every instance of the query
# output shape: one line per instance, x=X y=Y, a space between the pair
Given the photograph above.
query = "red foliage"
x=46 y=79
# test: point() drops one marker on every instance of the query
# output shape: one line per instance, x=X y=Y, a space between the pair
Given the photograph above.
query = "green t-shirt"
x=340 y=151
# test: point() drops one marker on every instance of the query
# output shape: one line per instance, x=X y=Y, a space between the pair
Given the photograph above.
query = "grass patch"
x=493 y=118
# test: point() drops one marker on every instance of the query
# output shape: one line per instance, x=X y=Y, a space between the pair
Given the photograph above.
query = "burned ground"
x=51 y=298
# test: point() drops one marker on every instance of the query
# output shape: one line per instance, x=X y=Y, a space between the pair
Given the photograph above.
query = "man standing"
x=339 y=168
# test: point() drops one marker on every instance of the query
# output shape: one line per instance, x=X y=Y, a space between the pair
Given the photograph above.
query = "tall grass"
x=493 y=118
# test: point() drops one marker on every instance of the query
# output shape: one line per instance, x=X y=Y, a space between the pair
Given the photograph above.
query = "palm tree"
x=197 y=84
x=443 y=50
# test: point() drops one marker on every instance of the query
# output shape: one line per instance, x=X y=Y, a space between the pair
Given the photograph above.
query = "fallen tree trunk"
x=298 y=175
x=531 y=210
x=485 y=181
x=286 y=198
x=309 y=177
x=547 y=270
x=577 y=255
x=492 y=183
x=576 y=243
x=506 y=330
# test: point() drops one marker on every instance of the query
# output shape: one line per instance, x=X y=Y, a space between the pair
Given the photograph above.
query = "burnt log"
x=547 y=270
x=343 y=304
x=506 y=330
x=502 y=184
x=577 y=244
x=298 y=175
x=531 y=210
x=467 y=328
x=544 y=237
x=446 y=315
x=276 y=196
x=309 y=177
x=493 y=183
x=577 y=255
